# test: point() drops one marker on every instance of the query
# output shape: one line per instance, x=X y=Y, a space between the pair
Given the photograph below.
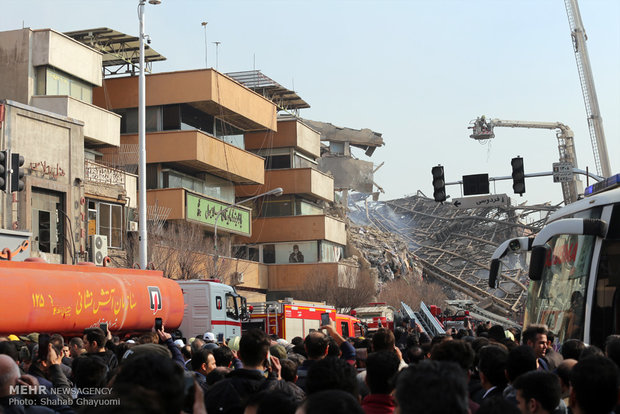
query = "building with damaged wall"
x=350 y=173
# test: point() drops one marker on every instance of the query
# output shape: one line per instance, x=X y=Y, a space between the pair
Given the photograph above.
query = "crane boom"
x=483 y=129
x=595 y=122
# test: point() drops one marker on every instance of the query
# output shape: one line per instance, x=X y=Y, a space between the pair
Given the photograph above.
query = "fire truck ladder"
x=425 y=319
x=269 y=310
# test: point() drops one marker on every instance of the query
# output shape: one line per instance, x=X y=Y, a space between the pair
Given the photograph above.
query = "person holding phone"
x=347 y=351
x=94 y=344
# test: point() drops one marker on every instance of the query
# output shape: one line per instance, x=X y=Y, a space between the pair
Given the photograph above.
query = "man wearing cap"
x=209 y=337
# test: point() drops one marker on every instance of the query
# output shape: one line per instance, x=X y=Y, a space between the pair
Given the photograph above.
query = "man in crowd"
x=432 y=387
x=538 y=392
x=535 y=336
x=594 y=386
x=228 y=395
x=315 y=345
x=381 y=367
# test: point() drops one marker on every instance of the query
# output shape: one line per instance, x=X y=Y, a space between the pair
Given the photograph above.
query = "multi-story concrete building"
x=47 y=116
x=292 y=233
x=195 y=157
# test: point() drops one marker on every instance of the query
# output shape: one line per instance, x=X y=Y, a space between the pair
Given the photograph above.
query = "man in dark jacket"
x=229 y=395
x=94 y=343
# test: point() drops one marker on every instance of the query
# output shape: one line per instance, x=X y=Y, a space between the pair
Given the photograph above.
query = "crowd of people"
x=491 y=370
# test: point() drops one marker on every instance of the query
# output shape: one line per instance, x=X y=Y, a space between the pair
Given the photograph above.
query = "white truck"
x=211 y=306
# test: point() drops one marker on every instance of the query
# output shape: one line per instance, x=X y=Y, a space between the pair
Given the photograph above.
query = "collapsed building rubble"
x=452 y=246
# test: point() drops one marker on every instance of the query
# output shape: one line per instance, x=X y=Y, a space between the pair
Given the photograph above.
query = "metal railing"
x=99 y=173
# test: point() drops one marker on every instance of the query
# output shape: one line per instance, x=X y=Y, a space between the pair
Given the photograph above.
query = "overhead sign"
x=562 y=172
x=476 y=184
x=204 y=210
x=495 y=200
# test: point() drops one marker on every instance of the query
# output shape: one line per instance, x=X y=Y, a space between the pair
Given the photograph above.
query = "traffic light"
x=4 y=170
x=17 y=175
x=439 y=184
x=518 y=175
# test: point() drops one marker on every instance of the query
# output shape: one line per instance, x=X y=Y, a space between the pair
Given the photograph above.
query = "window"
x=232 y=311
x=344 y=326
x=277 y=162
x=107 y=220
x=218 y=302
x=48 y=231
x=289 y=206
x=52 y=81
x=206 y=184
x=269 y=253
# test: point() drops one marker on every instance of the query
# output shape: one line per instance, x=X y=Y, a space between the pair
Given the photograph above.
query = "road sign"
x=494 y=200
x=562 y=172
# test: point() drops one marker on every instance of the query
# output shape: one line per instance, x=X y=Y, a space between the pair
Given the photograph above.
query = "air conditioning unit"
x=132 y=226
x=98 y=248
x=236 y=278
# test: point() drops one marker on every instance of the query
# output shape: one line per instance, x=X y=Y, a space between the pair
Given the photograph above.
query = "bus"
x=574 y=267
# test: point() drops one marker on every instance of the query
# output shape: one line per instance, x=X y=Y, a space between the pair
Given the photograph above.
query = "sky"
x=416 y=71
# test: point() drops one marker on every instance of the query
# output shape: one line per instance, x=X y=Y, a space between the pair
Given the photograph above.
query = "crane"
x=595 y=122
x=484 y=129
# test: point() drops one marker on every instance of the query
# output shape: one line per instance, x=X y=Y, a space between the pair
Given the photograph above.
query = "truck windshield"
x=557 y=299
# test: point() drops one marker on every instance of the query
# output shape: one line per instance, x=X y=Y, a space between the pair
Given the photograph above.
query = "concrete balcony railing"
x=306 y=181
x=299 y=228
x=199 y=152
x=100 y=126
x=294 y=277
x=291 y=133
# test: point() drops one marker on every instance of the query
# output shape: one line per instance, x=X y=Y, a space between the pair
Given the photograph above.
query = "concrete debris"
x=385 y=252
x=416 y=236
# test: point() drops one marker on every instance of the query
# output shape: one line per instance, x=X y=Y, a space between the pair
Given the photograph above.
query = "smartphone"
x=158 y=324
x=104 y=327
x=325 y=319
x=44 y=342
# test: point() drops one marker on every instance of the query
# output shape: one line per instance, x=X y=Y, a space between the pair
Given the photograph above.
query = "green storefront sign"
x=204 y=210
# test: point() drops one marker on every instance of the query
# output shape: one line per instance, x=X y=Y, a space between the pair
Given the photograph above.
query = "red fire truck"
x=290 y=318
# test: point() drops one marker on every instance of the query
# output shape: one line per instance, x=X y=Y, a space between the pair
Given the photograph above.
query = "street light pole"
x=204 y=24
x=275 y=192
x=142 y=142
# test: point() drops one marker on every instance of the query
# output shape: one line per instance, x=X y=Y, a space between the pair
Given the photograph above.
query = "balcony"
x=198 y=152
x=180 y=204
x=298 y=228
x=308 y=181
x=291 y=133
x=293 y=277
x=57 y=50
x=101 y=127
x=206 y=90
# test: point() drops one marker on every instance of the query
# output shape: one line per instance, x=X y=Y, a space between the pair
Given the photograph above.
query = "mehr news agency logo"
x=41 y=395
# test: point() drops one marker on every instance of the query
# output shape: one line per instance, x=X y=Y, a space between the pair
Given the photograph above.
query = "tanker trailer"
x=66 y=299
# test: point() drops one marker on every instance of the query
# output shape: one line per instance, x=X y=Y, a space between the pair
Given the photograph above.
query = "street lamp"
x=142 y=142
x=204 y=24
x=275 y=192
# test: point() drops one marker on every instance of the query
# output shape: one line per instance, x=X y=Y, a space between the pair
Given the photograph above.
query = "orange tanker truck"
x=43 y=297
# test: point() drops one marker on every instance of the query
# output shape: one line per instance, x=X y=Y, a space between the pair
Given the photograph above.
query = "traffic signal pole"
x=538 y=174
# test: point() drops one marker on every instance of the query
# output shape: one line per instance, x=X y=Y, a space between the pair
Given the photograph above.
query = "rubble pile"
x=420 y=237
x=385 y=252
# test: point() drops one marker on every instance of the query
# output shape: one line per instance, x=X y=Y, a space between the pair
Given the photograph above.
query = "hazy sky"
x=415 y=71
